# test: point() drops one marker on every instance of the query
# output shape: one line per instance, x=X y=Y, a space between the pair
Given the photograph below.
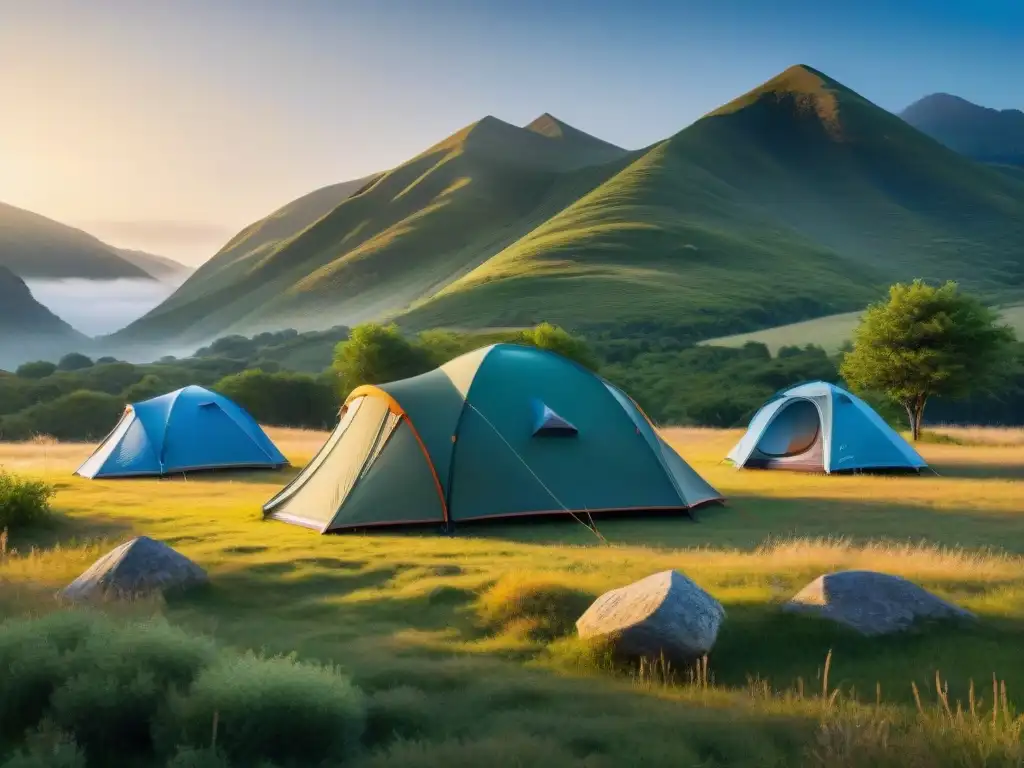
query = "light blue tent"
x=185 y=430
x=818 y=427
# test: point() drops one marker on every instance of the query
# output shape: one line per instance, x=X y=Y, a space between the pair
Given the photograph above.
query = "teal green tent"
x=502 y=431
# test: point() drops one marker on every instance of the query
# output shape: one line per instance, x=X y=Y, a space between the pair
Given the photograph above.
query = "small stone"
x=138 y=568
x=873 y=603
x=665 y=614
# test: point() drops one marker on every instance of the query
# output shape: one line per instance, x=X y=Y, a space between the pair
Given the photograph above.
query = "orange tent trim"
x=368 y=390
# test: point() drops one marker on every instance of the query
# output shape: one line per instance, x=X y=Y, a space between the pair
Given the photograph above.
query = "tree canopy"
x=375 y=354
x=555 y=339
x=925 y=341
x=74 y=361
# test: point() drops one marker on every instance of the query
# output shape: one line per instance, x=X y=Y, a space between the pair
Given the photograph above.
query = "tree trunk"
x=915 y=412
x=911 y=422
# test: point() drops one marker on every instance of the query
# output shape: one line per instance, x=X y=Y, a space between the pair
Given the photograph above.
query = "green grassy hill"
x=27 y=324
x=260 y=238
x=798 y=199
x=402 y=237
x=989 y=135
x=35 y=247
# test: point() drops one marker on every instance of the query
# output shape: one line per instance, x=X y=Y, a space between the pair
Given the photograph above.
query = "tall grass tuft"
x=539 y=608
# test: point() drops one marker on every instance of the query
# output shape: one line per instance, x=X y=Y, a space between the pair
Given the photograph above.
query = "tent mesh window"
x=793 y=431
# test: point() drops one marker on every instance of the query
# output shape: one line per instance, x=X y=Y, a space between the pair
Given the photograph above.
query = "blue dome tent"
x=819 y=427
x=186 y=430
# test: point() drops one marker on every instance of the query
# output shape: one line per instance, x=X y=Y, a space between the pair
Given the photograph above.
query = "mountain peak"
x=981 y=133
x=551 y=127
x=951 y=103
x=548 y=125
x=807 y=92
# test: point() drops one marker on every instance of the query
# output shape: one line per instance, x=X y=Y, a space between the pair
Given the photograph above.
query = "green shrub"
x=276 y=709
x=23 y=501
x=205 y=757
x=14 y=429
x=99 y=681
x=47 y=747
x=33 y=659
x=555 y=339
x=37 y=370
x=110 y=378
x=136 y=692
x=283 y=399
x=81 y=415
x=147 y=387
x=74 y=361
x=120 y=679
x=401 y=712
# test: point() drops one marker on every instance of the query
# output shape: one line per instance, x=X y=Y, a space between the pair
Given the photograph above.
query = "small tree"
x=375 y=354
x=927 y=341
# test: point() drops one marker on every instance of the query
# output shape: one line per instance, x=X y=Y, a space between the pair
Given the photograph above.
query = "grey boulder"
x=873 y=603
x=665 y=614
x=138 y=568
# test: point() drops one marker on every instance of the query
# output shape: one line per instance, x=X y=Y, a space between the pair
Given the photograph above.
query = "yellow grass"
x=983 y=435
x=459 y=613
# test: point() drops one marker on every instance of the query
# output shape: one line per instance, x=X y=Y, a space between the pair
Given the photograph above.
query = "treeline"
x=674 y=381
x=80 y=399
x=287 y=350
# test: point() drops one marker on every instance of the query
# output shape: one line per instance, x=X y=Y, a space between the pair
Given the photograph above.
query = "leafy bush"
x=82 y=415
x=74 y=361
x=47 y=747
x=145 y=388
x=400 y=712
x=135 y=693
x=118 y=681
x=205 y=757
x=37 y=370
x=283 y=399
x=98 y=681
x=23 y=501
x=276 y=709
x=110 y=378
x=555 y=339
x=15 y=428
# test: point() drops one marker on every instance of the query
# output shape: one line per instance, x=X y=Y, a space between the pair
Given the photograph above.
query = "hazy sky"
x=170 y=124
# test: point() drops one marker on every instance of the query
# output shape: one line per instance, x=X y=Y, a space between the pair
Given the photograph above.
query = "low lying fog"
x=97 y=307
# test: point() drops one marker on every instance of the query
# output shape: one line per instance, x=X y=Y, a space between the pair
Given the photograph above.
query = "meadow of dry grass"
x=464 y=642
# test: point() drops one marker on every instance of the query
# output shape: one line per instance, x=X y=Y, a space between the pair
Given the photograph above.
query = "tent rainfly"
x=187 y=430
x=503 y=431
x=819 y=427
